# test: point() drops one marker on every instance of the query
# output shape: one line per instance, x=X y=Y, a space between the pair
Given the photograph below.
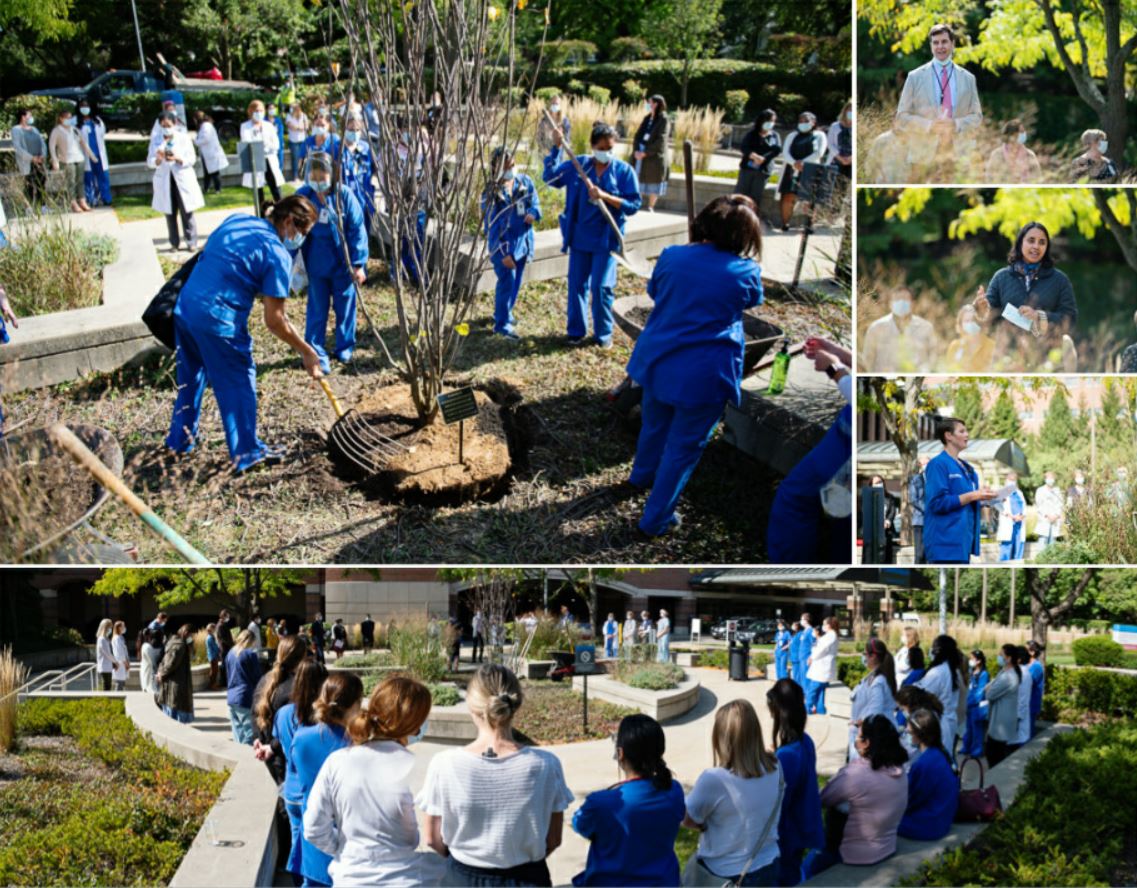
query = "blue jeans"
x=241 y=720
x=178 y=715
x=671 y=442
x=297 y=152
x=815 y=697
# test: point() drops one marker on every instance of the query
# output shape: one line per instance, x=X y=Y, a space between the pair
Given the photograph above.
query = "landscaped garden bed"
x=553 y=713
x=87 y=799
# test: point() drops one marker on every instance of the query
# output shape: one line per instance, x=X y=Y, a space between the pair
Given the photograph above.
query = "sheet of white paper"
x=1002 y=493
x=1012 y=314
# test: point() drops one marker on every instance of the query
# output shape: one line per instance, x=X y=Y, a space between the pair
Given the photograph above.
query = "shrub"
x=444 y=695
x=850 y=671
x=420 y=647
x=120 y=152
x=1098 y=650
x=719 y=658
x=599 y=94
x=628 y=49
x=545 y=93
x=514 y=95
x=49 y=266
x=576 y=87
x=1069 y=824
x=633 y=91
x=1088 y=694
x=568 y=52
x=736 y=101
x=794 y=52
x=648 y=676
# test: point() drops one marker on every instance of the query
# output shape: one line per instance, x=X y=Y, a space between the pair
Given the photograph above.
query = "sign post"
x=696 y=630
x=458 y=406
x=584 y=665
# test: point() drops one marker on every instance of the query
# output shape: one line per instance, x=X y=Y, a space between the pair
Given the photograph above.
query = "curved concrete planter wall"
x=660 y=705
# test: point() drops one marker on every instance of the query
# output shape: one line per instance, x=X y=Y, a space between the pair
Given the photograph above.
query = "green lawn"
x=136 y=207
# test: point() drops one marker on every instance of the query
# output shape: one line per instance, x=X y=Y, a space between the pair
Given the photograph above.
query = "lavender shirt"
x=876 y=800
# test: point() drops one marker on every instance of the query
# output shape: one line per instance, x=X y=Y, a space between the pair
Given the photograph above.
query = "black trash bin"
x=739 y=661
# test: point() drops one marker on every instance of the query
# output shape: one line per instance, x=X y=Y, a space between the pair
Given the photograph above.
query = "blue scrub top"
x=799 y=825
x=1038 y=687
x=358 y=166
x=781 y=639
x=805 y=643
x=795 y=646
x=691 y=349
x=507 y=234
x=331 y=145
x=284 y=727
x=242 y=259
x=322 y=250
x=933 y=794
x=311 y=746
x=632 y=829
x=975 y=690
x=951 y=531
x=583 y=226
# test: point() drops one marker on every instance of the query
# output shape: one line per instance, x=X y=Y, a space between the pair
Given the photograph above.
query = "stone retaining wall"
x=660 y=705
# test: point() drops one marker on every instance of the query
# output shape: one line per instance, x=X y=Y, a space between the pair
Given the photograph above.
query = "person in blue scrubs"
x=688 y=359
x=243 y=260
x=976 y=731
x=331 y=279
x=805 y=639
x=510 y=208
x=953 y=499
x=782 y=650
x=357 y=165
x=97 y=178
x=796 y=532
x=800 y=827
x=586 y=235
x=338 y=705
x=795 y=645
x=632 y=826
x=321 y=138
x=1038 y=679
x=933 y=789
x=1012 y=521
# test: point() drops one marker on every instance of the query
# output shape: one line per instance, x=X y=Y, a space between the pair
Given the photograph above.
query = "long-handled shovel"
x=79 y=451
x=633 y=261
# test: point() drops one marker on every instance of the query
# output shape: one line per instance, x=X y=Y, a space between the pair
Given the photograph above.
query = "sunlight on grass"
x=136 y=207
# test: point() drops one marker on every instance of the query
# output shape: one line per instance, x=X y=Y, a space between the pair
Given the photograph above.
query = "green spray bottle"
x=781 y=370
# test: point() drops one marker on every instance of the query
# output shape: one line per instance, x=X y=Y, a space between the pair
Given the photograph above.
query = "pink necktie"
x=945 y=90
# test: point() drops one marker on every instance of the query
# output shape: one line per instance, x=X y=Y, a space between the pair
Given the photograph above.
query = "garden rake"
x=361 y=443
x=633 y=261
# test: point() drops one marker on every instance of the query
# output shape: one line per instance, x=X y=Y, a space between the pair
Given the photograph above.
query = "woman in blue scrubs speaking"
x=689 y=357
x=245 y=258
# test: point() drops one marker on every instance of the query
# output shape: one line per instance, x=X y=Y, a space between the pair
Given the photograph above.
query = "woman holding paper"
x=1030 y=293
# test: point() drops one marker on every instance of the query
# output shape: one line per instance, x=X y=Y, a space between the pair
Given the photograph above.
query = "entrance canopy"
x=879 y=457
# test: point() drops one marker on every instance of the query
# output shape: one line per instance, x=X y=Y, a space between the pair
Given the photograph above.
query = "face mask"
x=421 y=733
x=319 y=131
x=1079 y=480
x=352 y=136
x=602 y=156
x=648 y=107
x=294 y=242
x=1049 y=482
x=849 y=119
x=1103 y=146
x=320 y=185
x=1001 y=660
x=554 y=108
x=168 y=133
x=272 y=112
x=31 y=120
x=767 y=126
x=258 y=116
x=971 y=328
x=1022 y=138
x=323 y=111
x=67 y=121
x=971 y=664
x=507 y=176
x=84 y=111
x=901 y=307
x=804 y=127
x=405 y=138
x=864 y=660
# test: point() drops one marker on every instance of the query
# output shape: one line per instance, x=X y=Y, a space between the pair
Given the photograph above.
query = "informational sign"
x=458 y=405
x=252 y=157
x=696 y=629
x=585 y=659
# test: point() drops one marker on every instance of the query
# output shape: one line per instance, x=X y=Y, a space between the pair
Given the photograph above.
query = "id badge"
x=323 y=218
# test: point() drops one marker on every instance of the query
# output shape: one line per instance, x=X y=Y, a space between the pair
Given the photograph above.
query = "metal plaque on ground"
x=458 y=405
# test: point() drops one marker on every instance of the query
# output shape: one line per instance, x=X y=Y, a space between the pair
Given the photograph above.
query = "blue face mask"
x=352 y=136
x=295 y=242
x=507 y=176
x=67 y=121
x=804 y=127
x=320 y=185
x=411 y=741
x=258 y=116
x=1001 y=660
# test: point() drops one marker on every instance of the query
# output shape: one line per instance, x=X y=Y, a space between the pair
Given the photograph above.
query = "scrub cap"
x=320 y=160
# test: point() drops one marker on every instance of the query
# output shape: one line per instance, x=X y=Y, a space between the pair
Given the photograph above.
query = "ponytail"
x=296 y=207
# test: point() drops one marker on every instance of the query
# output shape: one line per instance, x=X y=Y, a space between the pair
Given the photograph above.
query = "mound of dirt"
x=425 y=469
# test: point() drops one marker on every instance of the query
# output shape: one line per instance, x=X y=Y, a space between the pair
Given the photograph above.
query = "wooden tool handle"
x=336 y=406
x=604 y=211
x=689 y=177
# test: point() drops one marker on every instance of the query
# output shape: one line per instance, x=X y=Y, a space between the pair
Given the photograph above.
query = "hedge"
x=62 y=828
x=720 y=659
x=1098 y=650
x=850 y=671
x=1069 y=824
x=822 y=91
x=1087 y=694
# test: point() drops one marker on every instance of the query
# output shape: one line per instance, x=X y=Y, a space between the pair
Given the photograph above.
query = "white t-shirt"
x=735 y=810
x=495 y=812
x=361 y=812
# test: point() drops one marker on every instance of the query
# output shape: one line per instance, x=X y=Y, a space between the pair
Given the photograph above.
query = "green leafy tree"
x=687 y=30
x=1093 y=42
x=1003 y=421
x=243 y=35
x=241 y=588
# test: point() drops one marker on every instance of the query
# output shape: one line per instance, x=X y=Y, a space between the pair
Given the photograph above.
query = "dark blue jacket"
x=933 y=794
x=951 y=530
x=244 y=671
x=583 y=225
x=1050 y=291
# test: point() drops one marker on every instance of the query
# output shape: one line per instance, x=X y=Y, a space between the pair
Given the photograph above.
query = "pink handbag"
x=977 y=805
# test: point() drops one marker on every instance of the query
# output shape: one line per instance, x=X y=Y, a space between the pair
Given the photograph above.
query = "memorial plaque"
x=585 y=658
x=458 y=405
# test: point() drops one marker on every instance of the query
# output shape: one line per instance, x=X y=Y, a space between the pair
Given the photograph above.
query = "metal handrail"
x=46 y=680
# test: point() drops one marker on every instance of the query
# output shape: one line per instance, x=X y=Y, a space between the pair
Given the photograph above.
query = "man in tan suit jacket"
x=939 y=108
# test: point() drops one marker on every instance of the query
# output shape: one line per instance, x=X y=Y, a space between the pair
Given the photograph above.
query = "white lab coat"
x=156 y=132
x=266 y=134
x=872 y=696
x=181 y=173
x=823 y=659
x=937 y=682
x=1005 y=531
x=1049 y=501
x=212 y=154
x=101 y=140
x=121 y=658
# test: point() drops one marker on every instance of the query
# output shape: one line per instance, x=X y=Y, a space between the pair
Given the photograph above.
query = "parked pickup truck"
x=112 y=85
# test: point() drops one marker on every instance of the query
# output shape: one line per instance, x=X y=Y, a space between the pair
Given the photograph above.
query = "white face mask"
x=901 y=307
x=767 y=126
x=85 y=111
x=602 y=156
x=1022 y=138
x=1103 y=146
x=1049 y=482
x=971 y=328
x=1079 y=480
x=804 y=127
x=554 y=108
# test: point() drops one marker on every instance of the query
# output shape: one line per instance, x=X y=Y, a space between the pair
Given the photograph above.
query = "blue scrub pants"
x=781 y=665
x=1012 y=549
x=337 y=292
x=815 y=697
x=799 y=675
x=297 y=152
x=593 y=273
x=609 y=646
x=796 y=516
x=413 y=252
x=226 y=363
x=672 y=440
x=505 y=294
x=97 y=185
x=975 y=733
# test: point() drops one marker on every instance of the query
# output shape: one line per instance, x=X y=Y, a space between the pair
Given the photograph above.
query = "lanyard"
x=940 y=83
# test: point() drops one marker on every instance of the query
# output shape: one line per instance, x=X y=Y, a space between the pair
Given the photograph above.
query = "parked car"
x=741 y=625
x=759 y=632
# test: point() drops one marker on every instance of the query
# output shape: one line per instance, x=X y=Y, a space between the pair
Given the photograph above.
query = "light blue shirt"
x=938 y=72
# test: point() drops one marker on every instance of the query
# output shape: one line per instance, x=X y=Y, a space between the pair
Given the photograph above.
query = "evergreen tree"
x=1003 y=419
x=1058 y=428
x=968 y=407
